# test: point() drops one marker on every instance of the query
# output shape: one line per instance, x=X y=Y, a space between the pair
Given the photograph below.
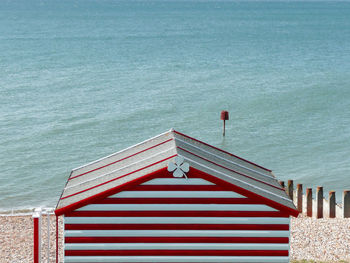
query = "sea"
x=82 y=79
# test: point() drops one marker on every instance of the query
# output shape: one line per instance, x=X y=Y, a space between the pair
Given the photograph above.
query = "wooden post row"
x=319 y=200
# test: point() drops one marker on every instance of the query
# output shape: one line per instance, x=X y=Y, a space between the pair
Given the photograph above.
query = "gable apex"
x=155 y=154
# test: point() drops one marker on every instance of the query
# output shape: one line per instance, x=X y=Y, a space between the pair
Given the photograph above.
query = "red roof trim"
x=82 y=191
x=223 y=151
x=250 y=177
x=120 y=159
x=193 y=173
x=111 y=191
x=199 y=174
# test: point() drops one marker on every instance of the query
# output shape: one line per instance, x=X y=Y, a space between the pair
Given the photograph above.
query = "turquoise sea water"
x=83 y=79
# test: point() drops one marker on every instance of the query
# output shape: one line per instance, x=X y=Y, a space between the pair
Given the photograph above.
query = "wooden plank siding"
x=177 y=220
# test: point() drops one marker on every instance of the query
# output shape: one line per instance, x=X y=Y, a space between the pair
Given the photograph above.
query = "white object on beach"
x=48 y=211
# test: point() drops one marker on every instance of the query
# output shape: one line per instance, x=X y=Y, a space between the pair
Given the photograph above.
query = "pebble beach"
x=312 y=240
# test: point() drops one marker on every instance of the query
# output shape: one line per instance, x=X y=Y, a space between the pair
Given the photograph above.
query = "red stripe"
x=87 y=189
x=176 y=252
x=223 y=151
x=277 y=240
x=36 y=240
x=176 y=214
x=177 y=188
x=250 y=177
x=176 y=227
x=177 y=201
x=120 y=160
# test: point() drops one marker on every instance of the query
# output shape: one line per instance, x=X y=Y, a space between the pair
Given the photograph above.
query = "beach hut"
x=173 y=198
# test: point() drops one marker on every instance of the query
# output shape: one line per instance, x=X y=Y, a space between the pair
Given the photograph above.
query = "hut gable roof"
x=113 y=173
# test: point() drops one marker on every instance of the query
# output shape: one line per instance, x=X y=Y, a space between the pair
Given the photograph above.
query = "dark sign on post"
x=224 y=117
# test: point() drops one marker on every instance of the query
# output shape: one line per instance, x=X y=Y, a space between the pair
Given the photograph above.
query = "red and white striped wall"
x=177 y=220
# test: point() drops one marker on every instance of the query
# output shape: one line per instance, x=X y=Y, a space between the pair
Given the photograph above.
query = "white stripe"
x=175 y=246
x=175 y=207
x=180 y=194
x=176 y=233
x=178 y=181
x=175 y=259
x=176 y=220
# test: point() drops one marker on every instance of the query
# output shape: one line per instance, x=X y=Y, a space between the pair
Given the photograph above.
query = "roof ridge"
x=227 y=160
x=223 y=151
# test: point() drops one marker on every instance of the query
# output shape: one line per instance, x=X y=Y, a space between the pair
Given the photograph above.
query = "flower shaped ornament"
x=179 y=167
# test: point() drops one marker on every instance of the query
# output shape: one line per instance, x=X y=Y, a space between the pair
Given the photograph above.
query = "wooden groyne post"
x=282 y=184
x=346 y=204
x=319 y=202
x=300 y=197
x=332 y=204
x=309 y=202
x=290 y=188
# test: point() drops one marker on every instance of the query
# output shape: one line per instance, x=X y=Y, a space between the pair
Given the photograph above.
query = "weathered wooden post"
x=346 y=204
x=282 y=184
x=319 y=202
x=309 y=202
x=300 y=197
x=332 y=204
x=37 y=236
x=290 y=188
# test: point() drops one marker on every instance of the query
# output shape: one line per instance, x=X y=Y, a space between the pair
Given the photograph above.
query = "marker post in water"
x=224 y=117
